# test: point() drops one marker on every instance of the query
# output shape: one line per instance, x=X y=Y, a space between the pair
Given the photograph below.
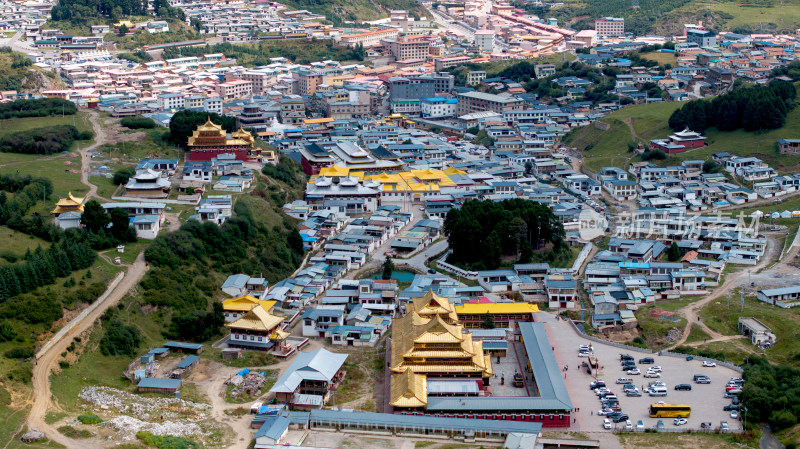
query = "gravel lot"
x=706 y=400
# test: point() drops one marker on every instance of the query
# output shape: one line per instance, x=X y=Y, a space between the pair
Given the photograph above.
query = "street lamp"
x=744 y=428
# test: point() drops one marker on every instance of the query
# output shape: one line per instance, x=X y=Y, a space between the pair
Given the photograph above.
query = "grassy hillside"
x=343 y=11
x=610 y=148
x=16 y=73
x=668 y=17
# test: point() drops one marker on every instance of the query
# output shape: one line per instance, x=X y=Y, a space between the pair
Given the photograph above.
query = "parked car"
x=686 y=387
x=620 y=418
x=660 y=425
x=640 y=425
x=723 y=427
x=652 y=374
x=623 y=380
x=735 y=400
x=647 y=360
x=730 y=407
x=733 y=393
x=628 y=425
x=597 y=384
x=700 y=379
x=625 y=357
x=633 y=393
x=655 y=368
x=708 y=364
x=584 y=354
x=680 y=421
x=734 y=414
x=706 y=425
x=604 y=412
x=737 y=379
x=633 y=372
x=606 y=424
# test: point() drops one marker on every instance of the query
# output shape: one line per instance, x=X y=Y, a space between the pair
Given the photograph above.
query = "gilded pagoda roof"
x=69 y=204
x=256 y=319
x=409 y=389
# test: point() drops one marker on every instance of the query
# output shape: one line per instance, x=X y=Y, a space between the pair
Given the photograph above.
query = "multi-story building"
x=610 y=26
x=422 y=86
x=262 y=81
x=702 y=38
x=234 y=89
x=484 y=40
x=171 y=101
x=369 y=38
x=435 y=107
x=293 y=111
x=403 y=49
x=342 y=110
x=469 y=102
x=307 y=81
x=475 y=77
x=544 y=70
x=209 y=140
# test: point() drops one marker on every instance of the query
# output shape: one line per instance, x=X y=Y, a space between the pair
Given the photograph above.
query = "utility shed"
x=154 y=385
x=179 y=346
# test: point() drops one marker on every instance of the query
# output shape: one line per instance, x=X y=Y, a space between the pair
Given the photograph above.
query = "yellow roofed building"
x=430 y=341
x=209 y=140
x=235 y=308
x=505 y=315
x=258 y=329
x=69 y=204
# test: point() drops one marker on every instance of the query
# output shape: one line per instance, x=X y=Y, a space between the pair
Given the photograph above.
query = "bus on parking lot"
x=670 y=411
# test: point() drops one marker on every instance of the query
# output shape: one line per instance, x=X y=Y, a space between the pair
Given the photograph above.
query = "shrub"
x=63 y=364
x=71 y=432
x=165 y=441
x=122 y=175
x=7 y=332
x=120 y=339
x=22 y=373
x=89 y=418
x=138 y=123
x=53 y=139
x=25 y=352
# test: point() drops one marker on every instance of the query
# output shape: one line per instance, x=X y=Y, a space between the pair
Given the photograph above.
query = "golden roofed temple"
x=210 y=140
x=430 y=341
x=69 y=204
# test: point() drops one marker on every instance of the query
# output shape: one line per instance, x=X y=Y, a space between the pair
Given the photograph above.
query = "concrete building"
x=436 y=107
x=469 y=102
x=307 y=81
x=702 y=38
x=610 y=26
x=403 y=49
x=475 y=77
x=484 y=40
x=369 y=38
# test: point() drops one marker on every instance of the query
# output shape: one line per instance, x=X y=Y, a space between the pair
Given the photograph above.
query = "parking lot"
x=706 y=400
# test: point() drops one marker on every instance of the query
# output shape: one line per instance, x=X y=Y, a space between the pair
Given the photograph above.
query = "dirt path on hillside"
x=731 y=281
x=100 y=138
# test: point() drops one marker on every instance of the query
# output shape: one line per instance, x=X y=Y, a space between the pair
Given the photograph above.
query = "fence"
x=442 y=265
x=583 y=333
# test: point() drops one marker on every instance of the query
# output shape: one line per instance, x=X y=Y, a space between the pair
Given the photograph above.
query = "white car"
x=633 y=372
x=604 y=412
x=628 y=425
x=656 y=369
x=584 y=354
x=652 y=374
x=734 y=414
x=709 y=364
x=606 y=423
x=680 y=421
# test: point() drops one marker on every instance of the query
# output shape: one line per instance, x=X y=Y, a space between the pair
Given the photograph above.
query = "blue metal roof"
x=152 y=382
x=188 y=361
x=426 y=422
x=182 y=345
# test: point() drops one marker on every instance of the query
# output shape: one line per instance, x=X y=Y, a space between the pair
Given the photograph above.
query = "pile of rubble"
x=130 y=425
x=251 y=384
x=143 y=407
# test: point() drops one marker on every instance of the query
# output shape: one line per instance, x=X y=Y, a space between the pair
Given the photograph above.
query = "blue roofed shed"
x=154 y=385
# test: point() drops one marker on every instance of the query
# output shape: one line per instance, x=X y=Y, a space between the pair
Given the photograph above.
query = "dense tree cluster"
x=42 y=267
x=120 y=339
x=28 y=191
x=285 y=171
x=53 y=139
x=41 y=107
x=300 y=51
x=752 y=108
x=197 y=325
x=791 y=70
x=79 y=11
x=183 y=263
x=481 y=232
x=771 y=393
x=106 y=229
x=138 y=123
x=123 y=175
x=184 y=122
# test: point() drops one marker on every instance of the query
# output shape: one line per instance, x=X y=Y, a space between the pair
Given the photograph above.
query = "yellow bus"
x=670 y=411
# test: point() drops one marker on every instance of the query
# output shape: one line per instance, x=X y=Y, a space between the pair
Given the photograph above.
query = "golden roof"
x=256 y=319
x=69 y=204
x=334 y=170
x=279 y=334
x=408 y=389
x=497 y=308
x=245 y=303
x=209 y=126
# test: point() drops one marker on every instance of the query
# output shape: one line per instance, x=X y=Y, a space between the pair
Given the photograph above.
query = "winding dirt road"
x=50 y=353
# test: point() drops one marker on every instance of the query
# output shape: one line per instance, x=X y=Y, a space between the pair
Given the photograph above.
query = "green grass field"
x=12 y=125
x=696 y=334
x=784 y=322
x=16 y=243
x=609 y=148
x=783 y=15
